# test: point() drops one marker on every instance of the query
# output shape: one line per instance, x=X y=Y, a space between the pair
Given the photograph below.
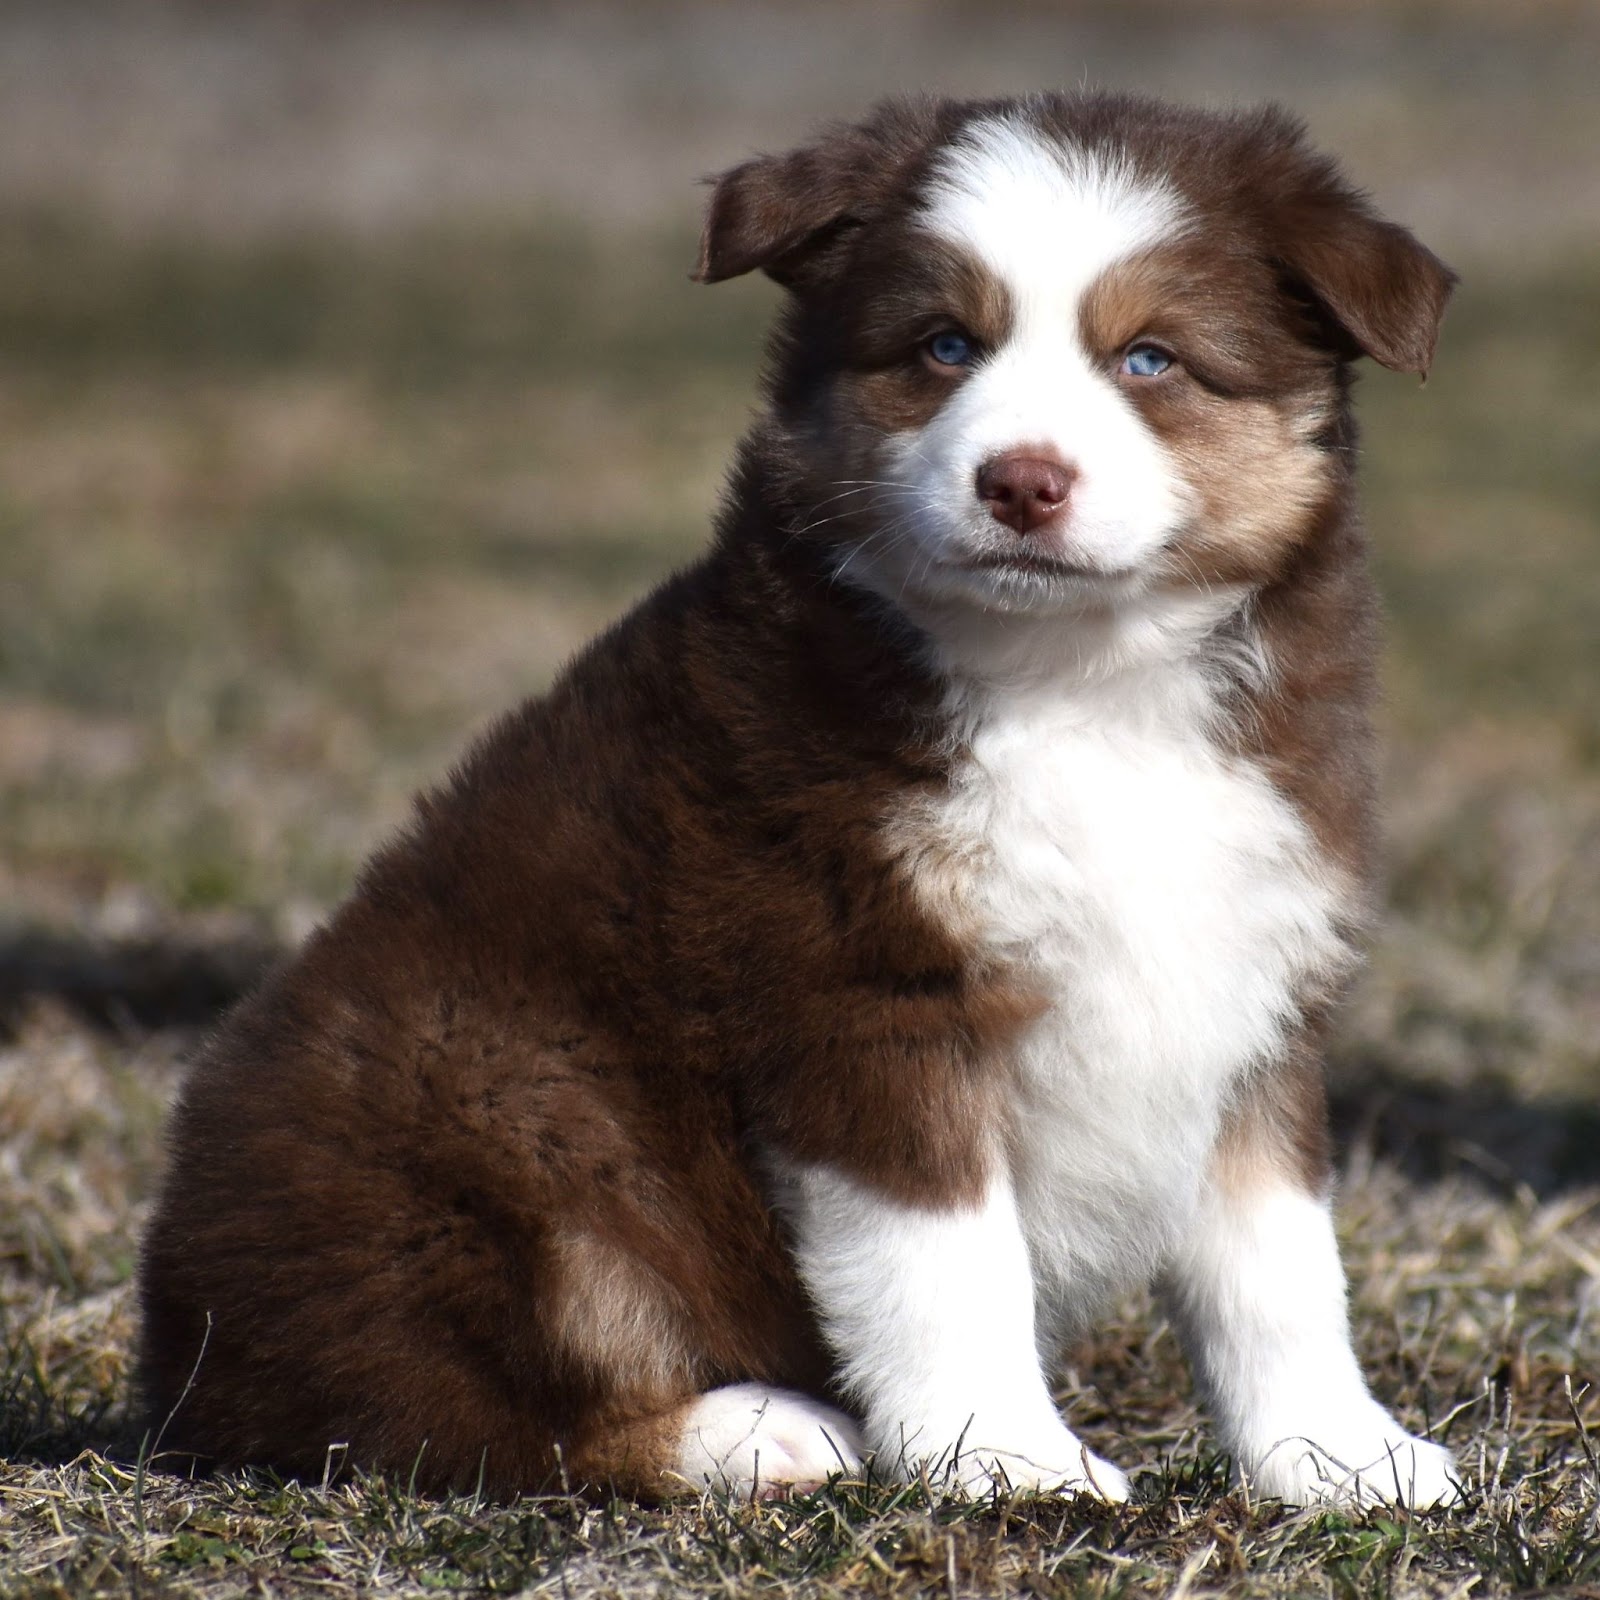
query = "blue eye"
x=950 y=349
x=1146 y=361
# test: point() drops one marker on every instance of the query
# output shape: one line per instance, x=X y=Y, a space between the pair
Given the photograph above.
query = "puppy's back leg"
x=744 y=1439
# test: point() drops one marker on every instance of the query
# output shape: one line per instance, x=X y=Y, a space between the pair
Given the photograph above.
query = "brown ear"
x=1383 y=292
x=1383 y=289
x=780 y=213
x=766 y=212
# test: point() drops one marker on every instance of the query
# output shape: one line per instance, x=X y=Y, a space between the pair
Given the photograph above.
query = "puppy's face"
x=1057 y=352
x=1069 y=382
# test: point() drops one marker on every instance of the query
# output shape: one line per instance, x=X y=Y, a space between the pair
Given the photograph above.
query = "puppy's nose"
x=1024 y=492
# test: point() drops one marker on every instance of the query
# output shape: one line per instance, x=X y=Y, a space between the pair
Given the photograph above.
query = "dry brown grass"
x=1465 y=1306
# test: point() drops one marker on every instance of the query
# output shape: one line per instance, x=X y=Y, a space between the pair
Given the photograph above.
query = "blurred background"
x=350 y=377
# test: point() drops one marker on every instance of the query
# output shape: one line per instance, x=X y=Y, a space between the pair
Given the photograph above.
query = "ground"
x=286 y=512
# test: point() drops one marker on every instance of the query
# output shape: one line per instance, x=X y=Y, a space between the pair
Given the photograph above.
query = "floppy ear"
x=1382 y=292
x=773 y=212
x=780 y=213
x=1382 y=289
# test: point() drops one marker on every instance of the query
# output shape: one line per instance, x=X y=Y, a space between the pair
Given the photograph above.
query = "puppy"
x=915 y=924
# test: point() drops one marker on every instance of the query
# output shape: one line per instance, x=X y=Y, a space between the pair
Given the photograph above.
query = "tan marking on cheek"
x=895 y=401
x=1258 y=481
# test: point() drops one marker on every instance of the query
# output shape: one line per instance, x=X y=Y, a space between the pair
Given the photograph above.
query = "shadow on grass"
x=48 y=1418
x=1484 y=1132
x=159 y=982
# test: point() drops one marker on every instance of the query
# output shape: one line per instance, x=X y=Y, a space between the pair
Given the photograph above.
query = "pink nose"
x=1024 y=492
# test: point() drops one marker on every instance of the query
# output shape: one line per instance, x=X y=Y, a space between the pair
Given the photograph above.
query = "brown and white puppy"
x=913 y=925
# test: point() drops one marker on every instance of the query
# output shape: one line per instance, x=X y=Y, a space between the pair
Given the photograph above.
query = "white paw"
x=983 y=1471
x=748 y=1439
x=1369 y=1461
x=1057 y=1462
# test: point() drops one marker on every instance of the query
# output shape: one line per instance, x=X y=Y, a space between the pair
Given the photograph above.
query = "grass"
x=1466 y=1312
x=280 y=526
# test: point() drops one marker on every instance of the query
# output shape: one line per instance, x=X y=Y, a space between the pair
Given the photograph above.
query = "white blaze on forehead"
x=1045 y=217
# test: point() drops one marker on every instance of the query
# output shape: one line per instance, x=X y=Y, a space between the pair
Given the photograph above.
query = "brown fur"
x=472 y=1185
x=646 y=928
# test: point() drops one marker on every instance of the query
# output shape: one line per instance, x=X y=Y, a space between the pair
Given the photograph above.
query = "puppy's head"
x=1069 y=349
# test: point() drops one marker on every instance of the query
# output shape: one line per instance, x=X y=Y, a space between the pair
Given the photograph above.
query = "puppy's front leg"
x=930 y=1313
x=1258 y=1294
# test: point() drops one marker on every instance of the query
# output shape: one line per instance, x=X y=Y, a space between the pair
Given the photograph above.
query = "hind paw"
x=748 y=1439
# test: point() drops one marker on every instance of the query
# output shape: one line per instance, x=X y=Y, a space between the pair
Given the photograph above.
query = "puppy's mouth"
x=1042 y=564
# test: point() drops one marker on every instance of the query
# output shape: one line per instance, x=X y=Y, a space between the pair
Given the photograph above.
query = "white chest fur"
x=1171 y=905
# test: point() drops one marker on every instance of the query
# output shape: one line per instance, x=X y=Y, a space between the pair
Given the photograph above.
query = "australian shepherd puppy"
x=914 y=925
